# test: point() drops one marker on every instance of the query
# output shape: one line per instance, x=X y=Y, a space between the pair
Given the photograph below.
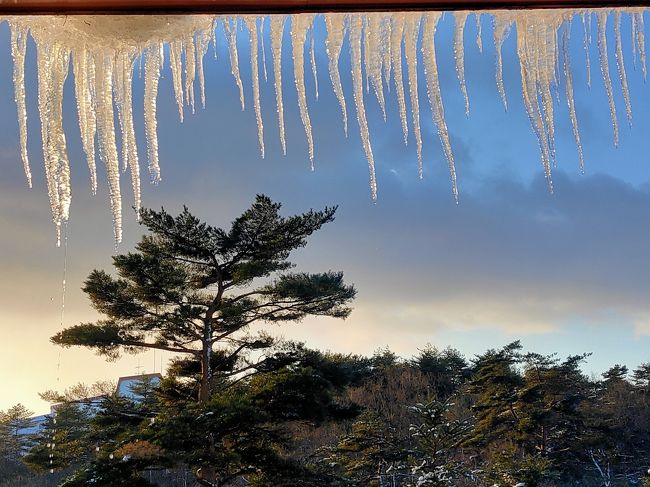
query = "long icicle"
x=640 y=42
x=373 y=57
x=459 y=55
x=312 y=58
x=604 y=67
x=175 y=55
x=251 y=23
x=18 y=48
x=230 y=29
x=106 y=133
x=84 y=78
x=152 y=67
x=568 y=83
x=620 y=65
x=502 y=25
x=586 y=26
x=411 y=34
x=299 y=25
x=277 y=30
x=335 y=25
x=357 y=83
x=397 y=34
x=124 y=103
x=433 y=91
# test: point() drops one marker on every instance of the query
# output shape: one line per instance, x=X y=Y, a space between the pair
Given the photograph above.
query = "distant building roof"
x=125 y=384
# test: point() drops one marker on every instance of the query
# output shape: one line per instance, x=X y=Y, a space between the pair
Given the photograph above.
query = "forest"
x=238 y=406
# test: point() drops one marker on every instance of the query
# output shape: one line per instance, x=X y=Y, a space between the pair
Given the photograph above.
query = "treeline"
x=504 y=418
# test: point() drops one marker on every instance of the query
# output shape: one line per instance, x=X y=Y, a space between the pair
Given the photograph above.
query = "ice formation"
x=104 y=51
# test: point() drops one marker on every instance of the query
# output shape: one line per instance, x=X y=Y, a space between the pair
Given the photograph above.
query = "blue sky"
x=566 y=273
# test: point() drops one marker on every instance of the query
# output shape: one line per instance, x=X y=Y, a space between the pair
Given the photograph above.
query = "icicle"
x=357 y=83
x=633 y=28
x=459 y=55
x=397 y=33
x=411 y=33
x=479 y=35
x=620 y=64
x=537 y=66
x=640 y=41
x=373 y=57
x=277 y=29
x=386 y=35
x=190 y=70
x=312 y=57
x=604 y=67
x=335 y=24
x=151 y=77
x=263 y=48
x=175 y=55
x=202 y=43
x=106 y=133
x=251 y=23
x=586 y=25
x=502 y=25
x=52 y=71
x=433 y=91
x=83 y=68
x=230 y=30
x=299 y=25
x=568 y=83
x=124 y=104
x=18 y=48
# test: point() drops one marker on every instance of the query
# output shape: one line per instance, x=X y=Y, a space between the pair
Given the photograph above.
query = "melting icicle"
x=18 y=48
x=263 y=48
x=312 y=57
x=84 y=76
x=568 y=83
x=459 y=54
x=411 y=33
x=604 y=67
x=373 y=56
x=277 y=30
x=230 y=29
x=397 y=33
x=52 y=71
x=106 y=133
x=386 y=34
x=299 y=25
x=620 y=64
x=586 y=25
x=640 y=41
x=124 y=103
x=433 y=90
x=335 y=24
x=502 y=24
x=175 y=55
x=251 y=23
x=152 y=67
x=357 y=83
x=190 y=70
x=202 y=43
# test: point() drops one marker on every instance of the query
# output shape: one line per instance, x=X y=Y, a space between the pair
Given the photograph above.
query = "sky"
x=564 y=272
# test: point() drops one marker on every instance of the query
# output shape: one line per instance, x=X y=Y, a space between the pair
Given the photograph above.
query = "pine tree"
x=193 y=289
x=196 y=290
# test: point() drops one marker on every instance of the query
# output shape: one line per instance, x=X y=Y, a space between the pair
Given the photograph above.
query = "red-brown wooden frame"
x=71 y=7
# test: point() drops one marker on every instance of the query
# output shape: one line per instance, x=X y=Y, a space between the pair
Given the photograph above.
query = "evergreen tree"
x=196 y=290
x=190 y=288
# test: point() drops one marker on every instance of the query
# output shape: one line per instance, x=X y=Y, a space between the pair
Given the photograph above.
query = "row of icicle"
x=103 y=79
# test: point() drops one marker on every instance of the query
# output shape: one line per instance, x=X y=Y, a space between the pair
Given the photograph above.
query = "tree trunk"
x=206 y=366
